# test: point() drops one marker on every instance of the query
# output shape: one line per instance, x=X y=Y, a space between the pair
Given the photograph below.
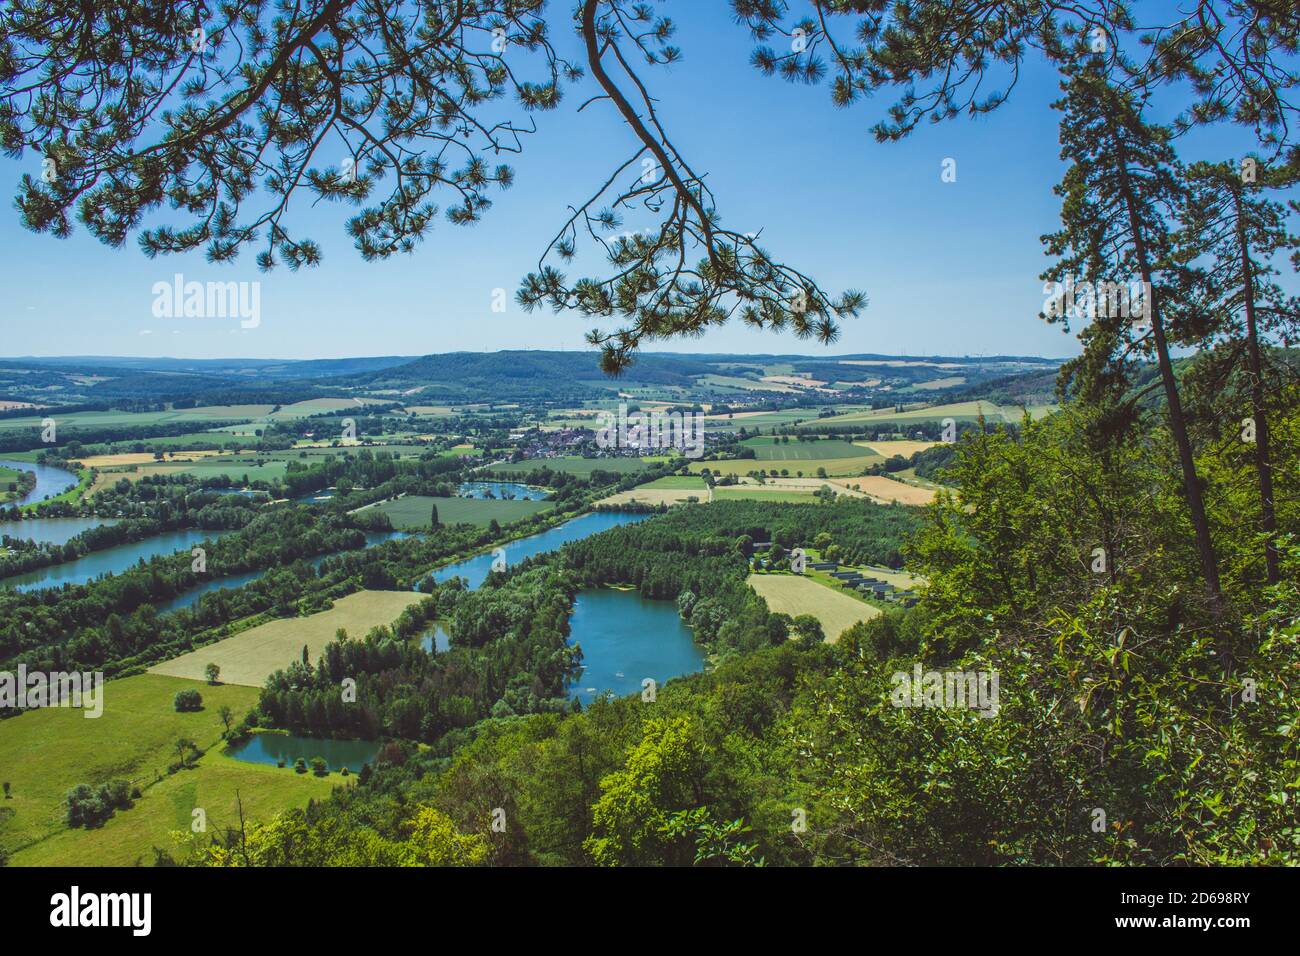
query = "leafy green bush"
x=188 y=700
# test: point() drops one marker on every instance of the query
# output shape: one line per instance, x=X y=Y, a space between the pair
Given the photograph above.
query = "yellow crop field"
x=145 y=458
x=794 y=594
x=251 y=657
x=904 y=447
x=886 y=490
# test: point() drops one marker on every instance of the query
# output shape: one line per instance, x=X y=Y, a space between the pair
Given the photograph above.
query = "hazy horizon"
x=820 y=356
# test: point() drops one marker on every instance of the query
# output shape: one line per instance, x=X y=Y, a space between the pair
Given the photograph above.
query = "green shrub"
x=188 y=701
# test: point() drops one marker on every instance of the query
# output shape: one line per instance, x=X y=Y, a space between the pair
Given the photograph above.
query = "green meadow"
x=237 y=469
x=413 y=512
x=770 y=448
x=45 y=753
x=690 y=482
x=759 y=493
x=180 y=442
x=809 y=466
x=218 y=785
x=250 y=657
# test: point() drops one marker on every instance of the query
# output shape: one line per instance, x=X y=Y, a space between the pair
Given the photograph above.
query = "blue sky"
x=949 y=268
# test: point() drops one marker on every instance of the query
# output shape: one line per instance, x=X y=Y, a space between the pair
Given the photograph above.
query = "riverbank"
x=15 y=484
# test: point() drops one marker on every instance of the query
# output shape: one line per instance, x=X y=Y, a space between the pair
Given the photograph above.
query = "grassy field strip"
x=833 y=466
x=250 y=658
x=766 y=449
x=414 y=512
x=789 y=490
x=669 y=490
x=217 y=784
x=757 y=493
x=676 y=481
x=657 y=496
x=808 y=485
x=951 y=381
x=45 y=753
x=233 y=469
x=959 y=411
x=745 y=384
x=794 y=594
x=143 y=458
x=577 y=466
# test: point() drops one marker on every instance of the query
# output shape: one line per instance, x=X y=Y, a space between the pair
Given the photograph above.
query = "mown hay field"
x=251 y=657
x=795 y=594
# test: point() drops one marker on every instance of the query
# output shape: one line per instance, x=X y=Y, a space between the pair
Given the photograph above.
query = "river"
x=51 y=530
x=475 y=570
x=112 y=560
x=191 y=597
x=49 y=481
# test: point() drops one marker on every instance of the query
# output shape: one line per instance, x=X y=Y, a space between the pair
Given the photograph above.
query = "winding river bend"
x=112 y=560
x=50 y=481
x=475 y=570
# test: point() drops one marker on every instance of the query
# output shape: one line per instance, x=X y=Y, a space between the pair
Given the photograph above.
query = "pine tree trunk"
x=1177 y=422
x=1263 y=452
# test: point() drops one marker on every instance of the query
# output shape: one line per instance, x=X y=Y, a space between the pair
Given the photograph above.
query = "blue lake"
x=625 y=639
x=274 y=748
x=475 y=570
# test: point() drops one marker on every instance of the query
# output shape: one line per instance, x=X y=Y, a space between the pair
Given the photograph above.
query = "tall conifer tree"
x=1118 y=199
